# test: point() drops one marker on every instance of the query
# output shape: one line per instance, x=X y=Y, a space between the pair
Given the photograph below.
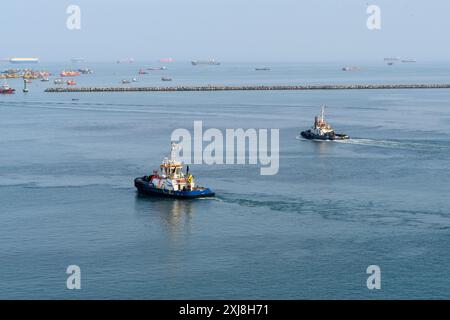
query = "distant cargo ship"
x=351 y=68
x=78 y=60
x=24 y=60
x=126 y=60
x=409 y=60
x=392 y=59
x=210 y=62
x=85 y=71
x=156 y=68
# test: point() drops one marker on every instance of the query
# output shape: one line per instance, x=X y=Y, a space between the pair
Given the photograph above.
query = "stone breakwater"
x=252 y=88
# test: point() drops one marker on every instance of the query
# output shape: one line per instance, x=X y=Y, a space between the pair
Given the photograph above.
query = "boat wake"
x=116 y=108
x=393 y=144
x=357 y=210
x=389 y=144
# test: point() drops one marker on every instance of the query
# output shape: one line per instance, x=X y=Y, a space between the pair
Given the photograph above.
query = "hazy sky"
x=228 y=30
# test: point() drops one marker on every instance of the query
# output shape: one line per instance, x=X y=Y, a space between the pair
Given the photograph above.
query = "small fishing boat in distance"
x=166 y=79
x=171 y=181
x=6 y=89
x=321 y=130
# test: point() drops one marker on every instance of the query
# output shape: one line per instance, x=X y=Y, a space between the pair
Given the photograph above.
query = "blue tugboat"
x=171 y=181
x=321 y=130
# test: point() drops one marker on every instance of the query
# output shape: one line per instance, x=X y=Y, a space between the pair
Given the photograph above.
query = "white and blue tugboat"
x=171 y=181
x=321 y=130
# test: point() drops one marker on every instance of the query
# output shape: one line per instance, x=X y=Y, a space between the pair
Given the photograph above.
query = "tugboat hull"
x=328 y=136
x=145 y=187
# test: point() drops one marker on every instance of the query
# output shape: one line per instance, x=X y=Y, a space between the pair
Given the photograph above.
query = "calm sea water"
x=67 y=195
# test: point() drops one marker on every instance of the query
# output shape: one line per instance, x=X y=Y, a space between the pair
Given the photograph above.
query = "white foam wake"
x=392 y=144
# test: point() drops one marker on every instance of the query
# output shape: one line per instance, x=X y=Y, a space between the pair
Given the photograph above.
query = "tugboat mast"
x=174 y=147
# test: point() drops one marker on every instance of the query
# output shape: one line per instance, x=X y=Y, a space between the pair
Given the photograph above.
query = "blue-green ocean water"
x=334 y=208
